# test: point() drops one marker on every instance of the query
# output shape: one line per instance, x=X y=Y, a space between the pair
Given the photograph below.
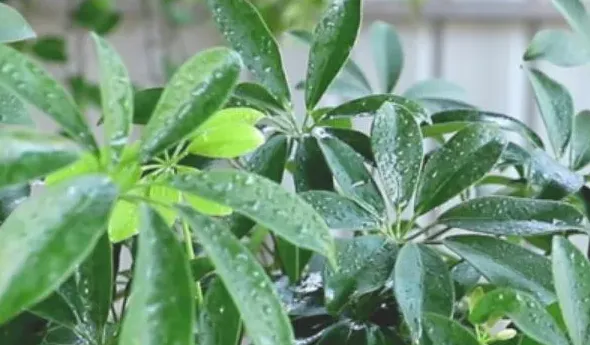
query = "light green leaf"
x=436 y=89
x=244 y=29
x=12 y=110
x=397 y=144
x=116 y=97
x=461 y=162
x=47 y=237
x=422 y=283
x=527 y=313
x=207 y=207
x=264 y=201
x=11 y=197
x=88 y=163
x=13 y=26
x=557 y=109
x=333 y=39
x=560 y=47
x=571 y=276
x=509 y=216
x=575 y=14
x=219 y=322
x=30 y=82
x=506 y=264
x=27 y=154
x=124 y=221
x=229 y=116
x=388 y=54
x=580 y=140
x=246 y=282
x=161 y=308
x=195 y=92
x=227 y=140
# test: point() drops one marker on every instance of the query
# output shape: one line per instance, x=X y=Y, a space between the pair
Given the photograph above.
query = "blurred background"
x=477 y=44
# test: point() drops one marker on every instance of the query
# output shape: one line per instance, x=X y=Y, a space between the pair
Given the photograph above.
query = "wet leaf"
x=47 y=237
x=359 y=141
x=292 y=258
x=580 y=142
x=506 y=264
x=465 y=159
x=116 y=97
x=12 y=110
x=25 y=329
x=509 y=216
x=14 y=27
x=571 y=276
x=27 y=154
x=422 y=283
x=144 y=103
x=443 y=331
x=256 y=96
x=161 y=307
x=55 y=309
x=388 y=54
x=194 y=93
x=11 y=197
x=333 y=39
x=465 y=276
x=556 y=180
x=246 y=282
x=527 y=313
x=398 y=148
x=369 y=105
x=219 y=322
x=230 y=116
x=311 y=170
x=560 y=47
x=226 y=141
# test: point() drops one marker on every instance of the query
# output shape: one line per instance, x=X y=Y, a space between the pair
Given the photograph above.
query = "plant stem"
x=188 y=241
x=420 y=232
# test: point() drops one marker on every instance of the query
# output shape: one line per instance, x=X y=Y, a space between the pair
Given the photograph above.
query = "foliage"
x=366 y=251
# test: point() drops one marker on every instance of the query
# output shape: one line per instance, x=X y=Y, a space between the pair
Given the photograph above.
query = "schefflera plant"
x=58 y=264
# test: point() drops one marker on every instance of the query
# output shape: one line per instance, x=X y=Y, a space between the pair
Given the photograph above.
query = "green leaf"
x=194 y=93
x=227 y=141
x=506 y=264
x=161 y=308
x=246 y=282
x=229 y=116
x=527 y=313
x=50 y=48
x=55 y=309
x=348 y=332
x=144 y=103
x=580 y=142
x=340 y=213
x=442 y=330
x=557 y=109
x=333 y=39
x=27 y=154
x=96 y=16
x=398 y=148
x=369 y=105
x=509 y=216
x=364 y=265
x=422 y=283
x=11 y=197
x=293 y=259
x=264 y=201
x=557 y=180
x=571 y=276
x=25 y=329
x=219 y=322
x=30 y=82
x=47 y=237
x=88 y=163
x=456 y=120
x=311 y=170
x=359 y=141
x=465 y=276
x=12 y=110
x=388 y=54
x=14 y=27
x=256 y=96
x=560 y=47
x=436 y=89
x=575 y=14
x=116 y=97
x=244 y=29
x=461 y=162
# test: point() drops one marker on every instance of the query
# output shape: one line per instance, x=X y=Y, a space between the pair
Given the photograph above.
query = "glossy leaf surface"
x=388 y=54
x=369 y=105
x=14 y=27
x=560 y=47
x=311 y=170
x=12 y=110
x=219 y=322
x=443 y=331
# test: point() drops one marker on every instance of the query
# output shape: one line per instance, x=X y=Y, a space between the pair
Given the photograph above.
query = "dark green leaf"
x=14 y=27
x=340 y=213
x=254 y=95
x=12 y=110
x=51 y=48
x=461 y=118
x=55 y=309
x=34 y=85
x=571 y=276
x=161 y=308
x=245 y=30
x=436 y=89
x=580 y=140
x=350 y=173
x=219 y=322
x=388 y=54
x=560 y=47
x=11 y=197
x=197 y=89
x=116 y=97
x=144 y=103
x=359 y=141
x=462 y=161
x=369 y=105
x=506 y=264
x=311 y=170
x=465 y=276
x=333 y=39
x=556 y=180
x=246 y=282
x=48 y=236
x=524 y=310
x=95 y=16
x=398 y=148
x=509 y=216
x=350 y=333
x=422 y=283
x=444 y=331
x=27 y=154
x=25 y=329
x=556 y=107
x=293 y=259
x=264 y=201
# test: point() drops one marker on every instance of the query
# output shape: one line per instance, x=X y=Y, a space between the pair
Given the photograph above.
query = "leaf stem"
x=188 y=241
